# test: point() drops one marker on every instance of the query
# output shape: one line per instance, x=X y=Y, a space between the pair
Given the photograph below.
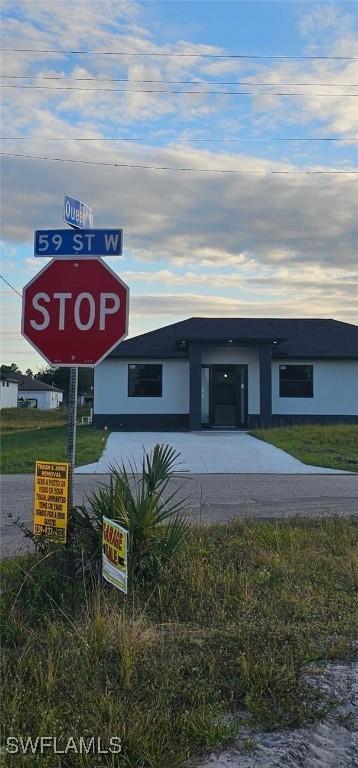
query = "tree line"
x=57 y=377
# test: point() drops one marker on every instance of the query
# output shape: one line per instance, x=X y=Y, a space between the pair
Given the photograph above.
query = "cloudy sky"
x=229 y=237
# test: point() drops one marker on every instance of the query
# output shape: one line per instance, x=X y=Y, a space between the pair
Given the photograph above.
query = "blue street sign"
x=72 y=243
x=77 y=214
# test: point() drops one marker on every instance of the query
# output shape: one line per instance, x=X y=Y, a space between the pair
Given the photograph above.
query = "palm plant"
x=144 y=503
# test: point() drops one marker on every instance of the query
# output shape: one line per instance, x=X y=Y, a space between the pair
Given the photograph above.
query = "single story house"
x=230 y=373
x=45 y=396
x=8 y=391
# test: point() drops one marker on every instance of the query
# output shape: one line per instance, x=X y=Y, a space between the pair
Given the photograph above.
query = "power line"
x=168 y=168
x=178 y=93
x=169 y=82
x=11 y=286
x=179 y=55
x=179 y=140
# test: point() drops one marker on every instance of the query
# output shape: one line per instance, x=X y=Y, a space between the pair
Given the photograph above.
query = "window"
x=145 y=380
x=296 y=380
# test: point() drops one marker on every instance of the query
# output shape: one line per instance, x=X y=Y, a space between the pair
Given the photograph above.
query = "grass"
x=230 y=627
x=19 y=419
x=333 y=446
x=31 y=434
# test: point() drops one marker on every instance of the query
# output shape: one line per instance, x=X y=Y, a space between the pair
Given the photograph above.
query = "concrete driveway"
x=204 y=452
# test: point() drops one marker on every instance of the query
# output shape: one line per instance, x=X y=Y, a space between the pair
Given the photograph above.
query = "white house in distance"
x=45 y=396
x=8 y=391
x=228 y=373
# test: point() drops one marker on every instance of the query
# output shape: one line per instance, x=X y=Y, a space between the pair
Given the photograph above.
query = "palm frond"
x=143 y=501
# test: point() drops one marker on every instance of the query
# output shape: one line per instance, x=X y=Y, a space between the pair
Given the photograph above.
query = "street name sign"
x=51 y=500
x=69 y=243
x=114 y=554
x=75 y=312
x=77 y=214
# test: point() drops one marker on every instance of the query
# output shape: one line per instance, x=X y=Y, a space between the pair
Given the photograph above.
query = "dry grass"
x=28 y=435
x=231 y=625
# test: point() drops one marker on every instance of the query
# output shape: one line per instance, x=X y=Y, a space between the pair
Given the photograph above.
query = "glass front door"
x=224 y=396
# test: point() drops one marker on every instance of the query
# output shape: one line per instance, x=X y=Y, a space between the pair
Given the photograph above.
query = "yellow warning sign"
x=51 y=500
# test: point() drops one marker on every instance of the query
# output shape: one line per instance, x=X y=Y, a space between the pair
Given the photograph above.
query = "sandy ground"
x=330 y=743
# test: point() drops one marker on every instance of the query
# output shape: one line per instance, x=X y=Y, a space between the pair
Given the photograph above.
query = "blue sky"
x=251 y=244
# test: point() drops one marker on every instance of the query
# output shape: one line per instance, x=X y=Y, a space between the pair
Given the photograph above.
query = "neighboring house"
x=85 y=399
x=230 y=373
x=45 y=396
x=8 y=391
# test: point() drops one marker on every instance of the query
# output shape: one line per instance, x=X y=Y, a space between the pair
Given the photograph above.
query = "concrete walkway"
x=204 y=452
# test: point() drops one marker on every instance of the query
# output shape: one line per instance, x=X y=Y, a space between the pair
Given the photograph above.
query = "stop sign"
x=74 y=312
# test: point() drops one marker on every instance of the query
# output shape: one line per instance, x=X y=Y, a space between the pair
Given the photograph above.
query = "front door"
x=228 y=396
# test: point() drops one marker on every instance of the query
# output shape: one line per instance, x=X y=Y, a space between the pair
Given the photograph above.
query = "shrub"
x=145 y=504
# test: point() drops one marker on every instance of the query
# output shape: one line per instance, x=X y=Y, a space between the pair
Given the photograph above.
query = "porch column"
x=194 y=386
x=265 y=360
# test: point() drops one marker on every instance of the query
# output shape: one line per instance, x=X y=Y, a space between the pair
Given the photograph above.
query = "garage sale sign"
x=51 y=500
x=114 y=554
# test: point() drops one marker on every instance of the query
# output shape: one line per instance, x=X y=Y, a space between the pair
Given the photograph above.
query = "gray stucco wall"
x=335 y=386
x=335 y=390
x=111 y=388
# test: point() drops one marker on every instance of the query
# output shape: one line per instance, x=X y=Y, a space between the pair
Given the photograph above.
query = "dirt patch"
x=330 y=743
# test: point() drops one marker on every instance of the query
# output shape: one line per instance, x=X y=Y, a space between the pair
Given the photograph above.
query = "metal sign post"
x=75 y=310
x=71 y=431
x=76 y=214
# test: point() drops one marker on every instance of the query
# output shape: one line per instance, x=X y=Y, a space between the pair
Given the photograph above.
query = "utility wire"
x=168 y=168
x=178 y=93
x=180 y=55
x=169 y=82
x=11 y=286
x=177 y=141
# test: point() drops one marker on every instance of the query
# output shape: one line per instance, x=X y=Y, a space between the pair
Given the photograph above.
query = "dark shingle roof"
x=8 y=377
x=28 y=384
x=306 y=338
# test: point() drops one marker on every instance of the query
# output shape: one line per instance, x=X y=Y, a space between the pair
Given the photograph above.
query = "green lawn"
x=231 y=626
x=333 y=446
x=30 y=435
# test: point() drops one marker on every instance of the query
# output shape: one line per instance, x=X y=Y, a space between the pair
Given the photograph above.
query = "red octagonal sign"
x=75 y=312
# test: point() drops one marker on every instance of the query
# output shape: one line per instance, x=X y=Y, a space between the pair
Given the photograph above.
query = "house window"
x=296 y=380
x=145 y=380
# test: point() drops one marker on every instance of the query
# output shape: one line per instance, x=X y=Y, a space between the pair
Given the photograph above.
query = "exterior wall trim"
x=142 y=422
x=179 y=422
x=265 y=363
x=195 y=387
x=283 y=420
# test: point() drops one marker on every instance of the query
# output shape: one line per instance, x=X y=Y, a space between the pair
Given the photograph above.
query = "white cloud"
x=189 y=304
x=281 y=245
x=193 y=217
x=324 y=17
